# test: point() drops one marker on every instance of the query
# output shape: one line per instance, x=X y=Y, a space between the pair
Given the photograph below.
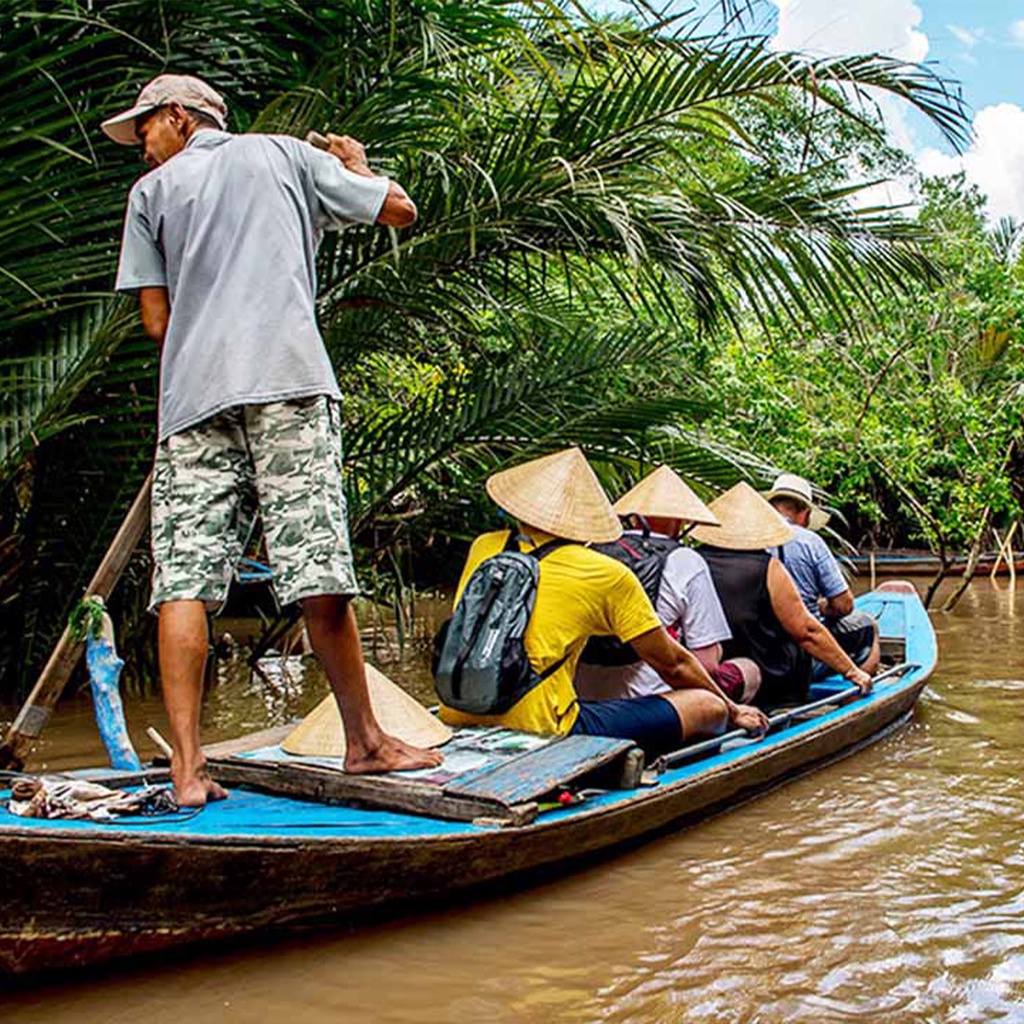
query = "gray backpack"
x=480 y=662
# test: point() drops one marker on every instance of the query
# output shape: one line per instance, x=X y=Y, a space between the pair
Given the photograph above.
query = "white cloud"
x=994 y=162
x=826 y=27
x=995 y=159
x=965 y=36
x=837 y=27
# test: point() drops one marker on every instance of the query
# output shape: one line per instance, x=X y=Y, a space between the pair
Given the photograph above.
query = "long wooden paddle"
x=38 y=707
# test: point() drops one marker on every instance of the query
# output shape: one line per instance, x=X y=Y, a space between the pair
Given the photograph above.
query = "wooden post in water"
x=1005 y=552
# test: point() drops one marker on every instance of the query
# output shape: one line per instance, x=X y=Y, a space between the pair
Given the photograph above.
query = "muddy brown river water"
x=888 y=888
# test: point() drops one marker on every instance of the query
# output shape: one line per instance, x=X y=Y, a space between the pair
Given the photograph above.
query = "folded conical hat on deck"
x=665 y=495
x=559 y=494
x=321 y=734
x=748 y=522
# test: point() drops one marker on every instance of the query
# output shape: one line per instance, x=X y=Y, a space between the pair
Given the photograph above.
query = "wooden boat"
x=909 y=562
x=284 y=852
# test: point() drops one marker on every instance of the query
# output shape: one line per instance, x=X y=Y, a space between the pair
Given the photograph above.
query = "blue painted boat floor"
x=248 y=814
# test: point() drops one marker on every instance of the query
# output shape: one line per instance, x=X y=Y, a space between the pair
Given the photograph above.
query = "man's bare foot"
x=196 y=789
x=390 y=755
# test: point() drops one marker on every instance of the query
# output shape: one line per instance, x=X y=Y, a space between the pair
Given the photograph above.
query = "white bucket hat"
x=789 y=485
x=187 y=90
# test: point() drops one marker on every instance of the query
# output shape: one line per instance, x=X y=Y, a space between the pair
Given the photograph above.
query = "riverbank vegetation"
x=641 y=238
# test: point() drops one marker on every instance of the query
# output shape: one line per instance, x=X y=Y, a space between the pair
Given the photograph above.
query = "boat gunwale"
x=746 y=757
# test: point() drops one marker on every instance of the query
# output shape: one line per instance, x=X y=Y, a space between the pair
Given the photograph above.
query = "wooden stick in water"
x=38 y=708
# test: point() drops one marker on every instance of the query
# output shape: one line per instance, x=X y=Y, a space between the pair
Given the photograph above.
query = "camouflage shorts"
x=282 y=460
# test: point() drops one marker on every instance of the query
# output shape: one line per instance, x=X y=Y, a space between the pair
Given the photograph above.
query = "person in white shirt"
x=679 y=584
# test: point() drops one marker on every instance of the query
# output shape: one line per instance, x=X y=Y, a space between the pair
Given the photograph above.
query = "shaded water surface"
x=888 y=887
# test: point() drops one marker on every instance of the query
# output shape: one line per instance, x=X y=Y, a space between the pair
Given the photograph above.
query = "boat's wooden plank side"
x=372 y=792
x=175 y=885
x=537 y=772
x=83 y=891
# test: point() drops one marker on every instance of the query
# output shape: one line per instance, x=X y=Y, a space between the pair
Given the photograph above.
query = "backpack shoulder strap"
x=545 y=549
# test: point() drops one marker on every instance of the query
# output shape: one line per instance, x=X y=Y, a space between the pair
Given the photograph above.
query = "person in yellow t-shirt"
x=582 y=593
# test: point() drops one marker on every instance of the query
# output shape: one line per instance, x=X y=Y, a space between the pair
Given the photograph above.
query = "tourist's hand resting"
x=860 y=678
x=744 y=716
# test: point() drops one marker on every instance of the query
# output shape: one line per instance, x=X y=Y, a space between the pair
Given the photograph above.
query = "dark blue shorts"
x=650 y=722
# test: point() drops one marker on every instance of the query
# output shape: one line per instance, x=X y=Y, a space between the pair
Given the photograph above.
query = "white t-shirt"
x=687 y=602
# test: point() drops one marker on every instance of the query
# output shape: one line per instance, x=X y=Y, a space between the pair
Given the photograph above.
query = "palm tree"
x=589 y=200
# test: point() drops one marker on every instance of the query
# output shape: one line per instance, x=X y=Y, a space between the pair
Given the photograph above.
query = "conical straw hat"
x=321 y=734
x=748 y=522
x=665 y=495
x=558 y=494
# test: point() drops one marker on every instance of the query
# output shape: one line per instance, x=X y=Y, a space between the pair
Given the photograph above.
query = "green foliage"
x=913 y=422
x=86 y=618
x=596 y=198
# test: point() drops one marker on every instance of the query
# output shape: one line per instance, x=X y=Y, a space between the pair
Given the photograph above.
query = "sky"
x=980 y=43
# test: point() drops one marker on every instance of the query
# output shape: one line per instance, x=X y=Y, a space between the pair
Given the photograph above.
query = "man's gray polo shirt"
x=230 y=226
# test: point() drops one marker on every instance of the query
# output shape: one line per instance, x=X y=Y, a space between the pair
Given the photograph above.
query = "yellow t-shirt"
x=580 y=594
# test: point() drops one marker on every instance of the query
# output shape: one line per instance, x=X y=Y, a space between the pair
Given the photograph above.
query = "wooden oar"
x=783 y=718
x=38 y=708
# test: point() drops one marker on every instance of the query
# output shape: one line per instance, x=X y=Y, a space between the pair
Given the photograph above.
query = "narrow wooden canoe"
x=74 y=893
x=923 y=563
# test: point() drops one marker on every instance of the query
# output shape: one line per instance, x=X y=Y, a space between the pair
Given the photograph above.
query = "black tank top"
x=741 y=579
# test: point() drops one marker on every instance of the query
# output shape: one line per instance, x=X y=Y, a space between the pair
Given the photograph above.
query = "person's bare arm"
x=398 y=211
x=156 y=312
x=682 y=671
x=806 y=630
x=710 y=657
x=838 y=606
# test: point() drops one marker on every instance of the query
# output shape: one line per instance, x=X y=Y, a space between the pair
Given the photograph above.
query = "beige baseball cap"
x=187 y=90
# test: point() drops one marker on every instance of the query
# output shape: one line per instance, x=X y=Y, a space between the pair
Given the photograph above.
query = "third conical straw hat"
x=321 y=733
x=559 y=494
x=665 y=495
x=748 y=522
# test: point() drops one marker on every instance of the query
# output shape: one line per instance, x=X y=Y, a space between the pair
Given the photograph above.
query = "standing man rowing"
x=219 y=243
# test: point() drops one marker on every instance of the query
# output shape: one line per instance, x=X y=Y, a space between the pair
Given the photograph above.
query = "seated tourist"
x=560 y=506
x=817 y=575
x=678 y=582
x=768 y=620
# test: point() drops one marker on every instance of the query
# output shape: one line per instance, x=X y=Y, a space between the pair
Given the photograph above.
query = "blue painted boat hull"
x=77 y=892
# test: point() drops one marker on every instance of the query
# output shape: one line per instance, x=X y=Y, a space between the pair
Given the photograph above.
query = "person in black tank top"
x=770 y=623
x=741 y=579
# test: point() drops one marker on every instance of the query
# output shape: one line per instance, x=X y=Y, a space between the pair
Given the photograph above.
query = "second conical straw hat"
x=321 y=733
x=665 y=495
x=559 y=494
x=748 y=522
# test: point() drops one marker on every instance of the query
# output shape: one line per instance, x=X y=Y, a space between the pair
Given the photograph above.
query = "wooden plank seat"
x=492 y=774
